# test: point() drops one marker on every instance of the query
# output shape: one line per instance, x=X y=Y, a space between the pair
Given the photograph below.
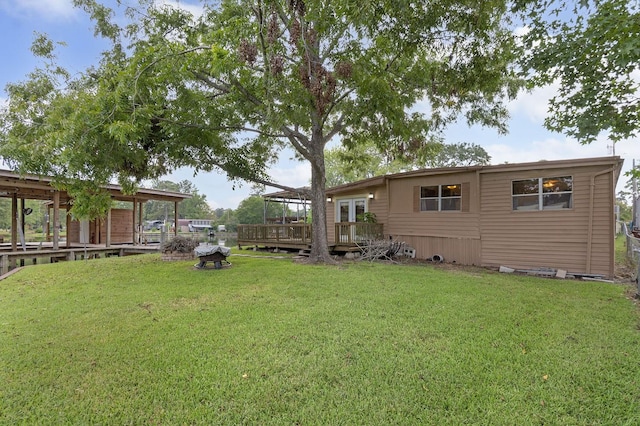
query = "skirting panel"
x=464 y=251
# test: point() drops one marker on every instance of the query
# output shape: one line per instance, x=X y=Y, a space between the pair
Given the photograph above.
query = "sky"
x=526 y=141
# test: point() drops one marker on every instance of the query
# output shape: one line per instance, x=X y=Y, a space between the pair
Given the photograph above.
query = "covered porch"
x=293 y=232
x=119 y=233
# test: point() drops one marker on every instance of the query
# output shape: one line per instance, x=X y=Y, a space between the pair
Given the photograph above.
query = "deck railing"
x=351 y=233
x=288 y=233
x=346 y=233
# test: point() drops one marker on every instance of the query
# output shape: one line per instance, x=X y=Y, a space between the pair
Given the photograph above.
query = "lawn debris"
x=554 y=273
x=380 y=249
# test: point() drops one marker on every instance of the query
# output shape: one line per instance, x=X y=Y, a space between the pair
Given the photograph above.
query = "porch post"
x=175 y=219
x=56 y=220
x=22 y=222
x=264 y=211
x=134 y=230
x=140 y=224
x=14 y=229
x=68 y=225
x=48 y=223
x=108 y=240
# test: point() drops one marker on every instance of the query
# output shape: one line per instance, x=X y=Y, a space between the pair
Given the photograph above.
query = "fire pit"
x=210 y=253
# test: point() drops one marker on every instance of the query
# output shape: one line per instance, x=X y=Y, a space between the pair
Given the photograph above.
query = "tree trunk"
x=320 y=244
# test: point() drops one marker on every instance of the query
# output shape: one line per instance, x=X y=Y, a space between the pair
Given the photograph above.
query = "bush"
x=179 y=244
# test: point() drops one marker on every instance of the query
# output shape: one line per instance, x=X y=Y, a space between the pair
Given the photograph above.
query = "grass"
x=138 y=341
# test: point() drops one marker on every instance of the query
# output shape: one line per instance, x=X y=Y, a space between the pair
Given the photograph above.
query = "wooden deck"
x=36 y=254
x=289 y=236
x=298 y=235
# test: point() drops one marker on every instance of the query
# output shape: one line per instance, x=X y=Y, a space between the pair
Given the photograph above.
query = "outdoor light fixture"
x=328 y=199
x=371 y=195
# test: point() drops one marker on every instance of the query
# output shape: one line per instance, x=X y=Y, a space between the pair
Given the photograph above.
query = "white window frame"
x=439 y=198
x=541 y=194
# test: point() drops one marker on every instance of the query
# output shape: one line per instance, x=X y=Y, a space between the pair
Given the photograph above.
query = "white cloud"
x=294 y=174
x=534 y=104
x=551 y=148
x=522 y=31
x=559 y=148
x=48 y=9
x=222 y=193
x=195 y=9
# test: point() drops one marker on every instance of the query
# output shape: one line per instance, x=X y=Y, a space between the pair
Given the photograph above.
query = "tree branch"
x=337 y=127
x=223 y=128
x=155 y=61
x=206 y=79
x=298 y=140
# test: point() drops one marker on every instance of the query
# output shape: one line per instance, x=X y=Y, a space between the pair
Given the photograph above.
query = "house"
x=195 y=225
x=546 y=214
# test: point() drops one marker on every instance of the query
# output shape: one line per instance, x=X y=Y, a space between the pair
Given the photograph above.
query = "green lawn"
x=139 y=341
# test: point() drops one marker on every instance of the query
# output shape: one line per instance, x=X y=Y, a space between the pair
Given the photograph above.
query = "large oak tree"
x=232 y=88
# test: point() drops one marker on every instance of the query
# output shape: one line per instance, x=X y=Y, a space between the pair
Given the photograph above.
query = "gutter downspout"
x=592 y=187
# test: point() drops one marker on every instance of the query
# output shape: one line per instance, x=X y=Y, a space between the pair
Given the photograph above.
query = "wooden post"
x=135 y=232
x=48 y=225
x=175 y=210
x=14 y=222
x=56 y=220
x=22 y=228
x=22 y=217
x=68 y=225
x=140 y=224
x=97 y=223
x=108 y=240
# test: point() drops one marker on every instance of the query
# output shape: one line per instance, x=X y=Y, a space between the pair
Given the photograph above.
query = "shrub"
x=179 y=244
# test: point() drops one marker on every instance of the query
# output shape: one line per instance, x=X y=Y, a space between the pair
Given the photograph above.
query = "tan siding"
x=404 y=219
x=331 y=220
x=464 y=251
x=557 y=238
x=487 y=231
x=377 y=205
x=402 y=192
x=439 y=224
x=602 y=251
x=465 y=192
x=453 y=235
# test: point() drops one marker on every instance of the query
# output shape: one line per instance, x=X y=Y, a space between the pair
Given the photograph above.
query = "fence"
x=633 y=252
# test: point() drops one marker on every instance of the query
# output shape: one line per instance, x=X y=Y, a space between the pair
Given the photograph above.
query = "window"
x=543 y=193
x=440 y=198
